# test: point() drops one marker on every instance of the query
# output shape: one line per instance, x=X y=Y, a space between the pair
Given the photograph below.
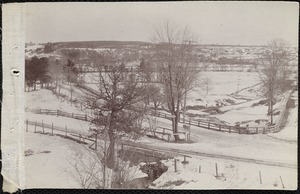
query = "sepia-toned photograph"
x=157 y=95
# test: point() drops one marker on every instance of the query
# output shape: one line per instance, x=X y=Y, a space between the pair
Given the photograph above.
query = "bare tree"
x=117 y=100
x=176 y=61
x=55 y=71
x=87 y=169
x=272 y=69
x=156 y=96
x=207 y=84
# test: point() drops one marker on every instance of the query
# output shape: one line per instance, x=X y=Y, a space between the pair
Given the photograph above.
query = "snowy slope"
x=48 y=170
x=290 y=130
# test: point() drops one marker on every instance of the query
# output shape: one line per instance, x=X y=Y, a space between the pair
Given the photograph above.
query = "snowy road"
x=208 y=155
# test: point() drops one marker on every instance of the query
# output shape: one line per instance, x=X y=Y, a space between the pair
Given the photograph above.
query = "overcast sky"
x=243 y=23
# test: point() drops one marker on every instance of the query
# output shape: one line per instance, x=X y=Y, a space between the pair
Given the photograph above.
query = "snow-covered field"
x=227 y=82
x=220 y=82
x=45 y=99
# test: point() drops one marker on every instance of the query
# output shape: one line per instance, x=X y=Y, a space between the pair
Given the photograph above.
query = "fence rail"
x=83 y=117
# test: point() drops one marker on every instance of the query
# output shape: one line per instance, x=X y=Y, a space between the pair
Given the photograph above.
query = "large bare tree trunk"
x=110 y=159
x=110 y=162
x=271 y=105
x=176 y=120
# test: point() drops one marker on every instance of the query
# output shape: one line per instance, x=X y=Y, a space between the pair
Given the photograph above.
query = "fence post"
x=199 y=168
x=184 y=160
x=256 y=130
x=66 y=130
x=199 y=123
x=208 y=125
x=57 y=112
x=219 y=127
x=217 y=174
x=35 y=127
x=85 y=117
x=43 y=126
x=263 y=130
x=175 y=165
x=281 y=182
x=190 y=121
x=26 y=125
x=260 y=180
x=52 y=128
x=229 y=129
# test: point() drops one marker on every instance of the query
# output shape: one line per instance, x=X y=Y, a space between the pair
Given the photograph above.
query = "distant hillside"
x=101 y=44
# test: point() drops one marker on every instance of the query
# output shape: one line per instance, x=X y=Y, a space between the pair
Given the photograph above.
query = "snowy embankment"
x=201 y=173
x=46 y=167
x=290 y=130
x=244 y=112
x=251 y=112
x=52 y=161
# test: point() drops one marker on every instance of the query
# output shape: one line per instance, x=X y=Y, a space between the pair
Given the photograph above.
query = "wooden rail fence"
x=63 y=131
x=276 y=127
x=198 y=123
x=163 y=131
x=215 y=126
x=83 y=117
